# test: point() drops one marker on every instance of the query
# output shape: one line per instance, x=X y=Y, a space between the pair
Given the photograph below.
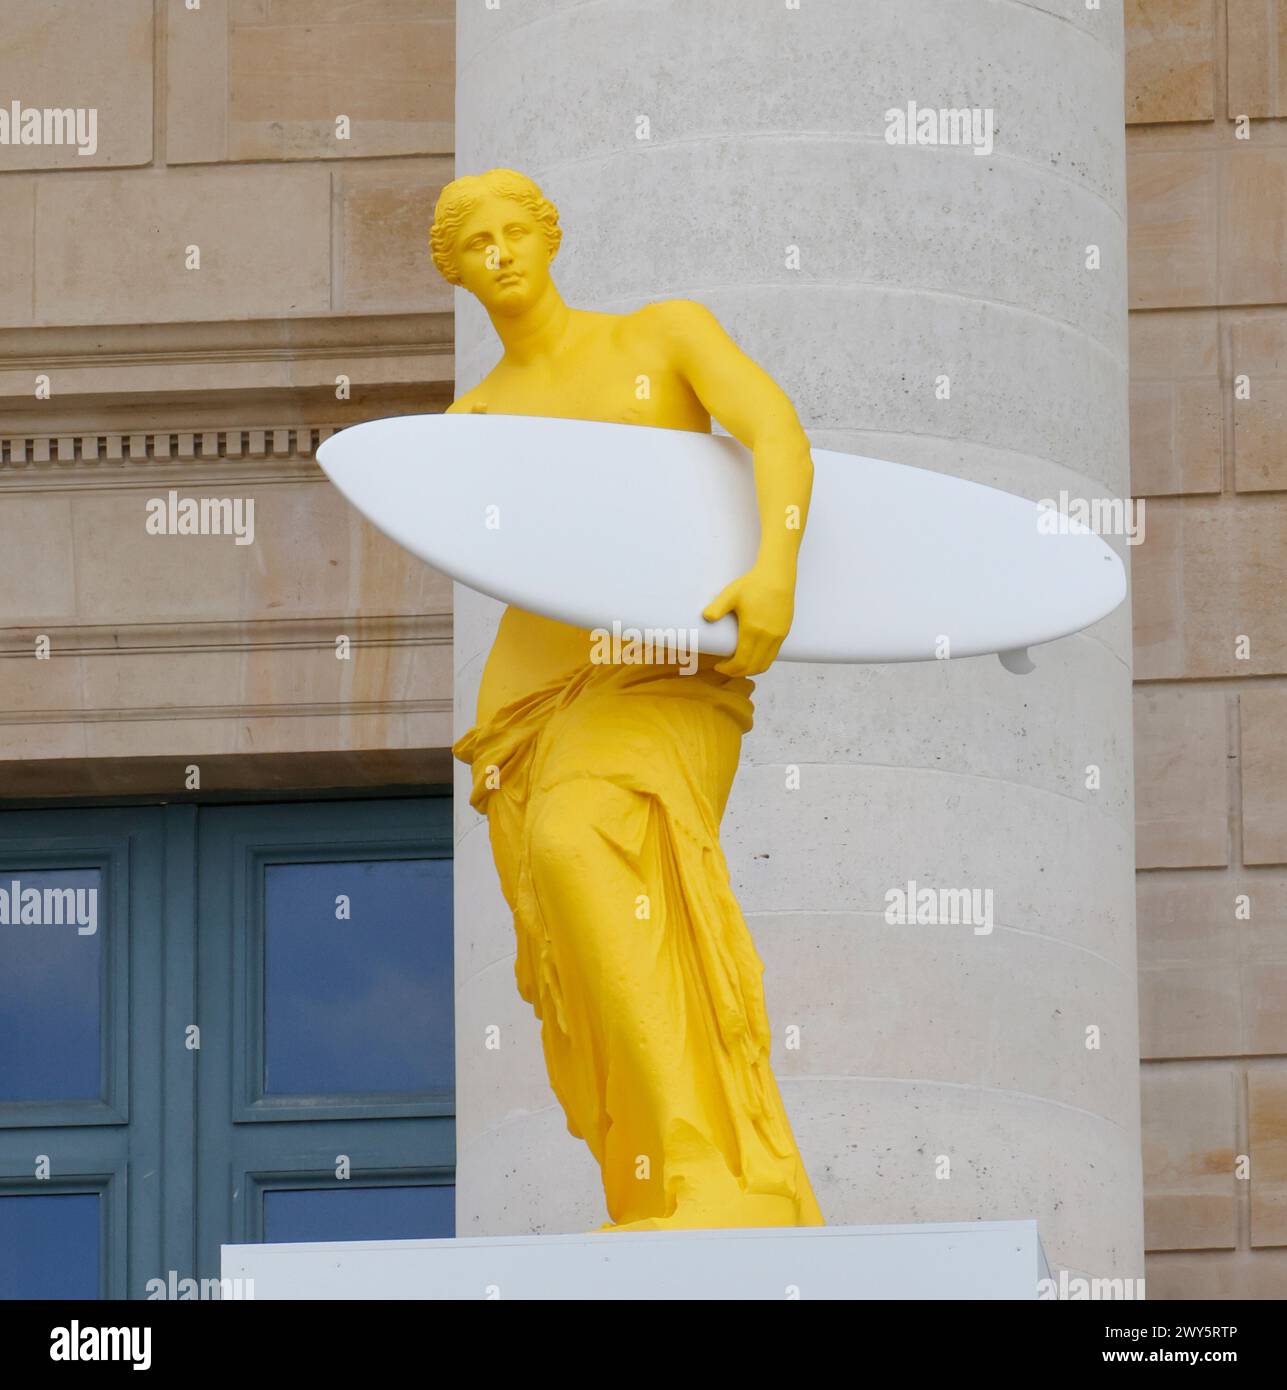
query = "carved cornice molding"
x=189 y=458
x=290 y=441
x=140 y=457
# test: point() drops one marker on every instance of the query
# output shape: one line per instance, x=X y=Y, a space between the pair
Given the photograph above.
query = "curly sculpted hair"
x=462 y=195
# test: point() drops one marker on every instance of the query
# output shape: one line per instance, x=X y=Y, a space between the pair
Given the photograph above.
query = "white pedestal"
x=970 y=1260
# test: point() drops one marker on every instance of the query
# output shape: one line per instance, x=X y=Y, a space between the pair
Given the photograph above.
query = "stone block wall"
x=1207 y=199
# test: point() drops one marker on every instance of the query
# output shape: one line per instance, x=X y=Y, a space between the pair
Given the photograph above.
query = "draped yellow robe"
x=604 y=787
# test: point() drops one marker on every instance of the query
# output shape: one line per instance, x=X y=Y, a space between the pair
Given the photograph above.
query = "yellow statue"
x=604 y=785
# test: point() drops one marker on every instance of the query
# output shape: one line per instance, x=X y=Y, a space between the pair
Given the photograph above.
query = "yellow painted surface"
x=604 y=784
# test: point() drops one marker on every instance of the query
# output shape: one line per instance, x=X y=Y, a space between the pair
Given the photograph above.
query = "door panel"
x=81 y=1047
x=325 y=959
x=357 y=982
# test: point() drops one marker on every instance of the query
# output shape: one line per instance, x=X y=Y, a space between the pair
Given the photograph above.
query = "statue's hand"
x=764 y=601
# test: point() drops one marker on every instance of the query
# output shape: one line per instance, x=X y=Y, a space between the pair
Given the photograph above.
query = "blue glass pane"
x=49 y=1246
x=363 y=1002
x=51 y=961
x=360 y=1213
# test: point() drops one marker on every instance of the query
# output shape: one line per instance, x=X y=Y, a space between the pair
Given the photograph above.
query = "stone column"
x=922 y=303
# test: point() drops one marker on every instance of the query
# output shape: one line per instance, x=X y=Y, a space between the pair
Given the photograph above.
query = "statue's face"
x=502 y=256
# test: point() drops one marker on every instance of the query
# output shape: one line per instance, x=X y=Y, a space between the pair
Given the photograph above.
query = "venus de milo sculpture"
x=603 y=769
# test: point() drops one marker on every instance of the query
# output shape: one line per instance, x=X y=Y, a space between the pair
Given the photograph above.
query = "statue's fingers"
x=721 y=604
x=729 y=666
x=761 y=656
x=772 y=646
x=737 y=664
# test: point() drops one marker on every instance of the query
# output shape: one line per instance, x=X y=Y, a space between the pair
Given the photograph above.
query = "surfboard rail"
x=636 y=528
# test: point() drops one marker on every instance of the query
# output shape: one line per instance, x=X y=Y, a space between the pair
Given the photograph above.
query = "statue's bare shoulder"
x=682 y=326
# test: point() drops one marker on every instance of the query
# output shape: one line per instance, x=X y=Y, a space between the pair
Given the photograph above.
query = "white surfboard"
x=598 y=524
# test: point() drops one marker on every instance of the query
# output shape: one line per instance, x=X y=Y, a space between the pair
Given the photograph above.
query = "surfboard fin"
x=1016 y=661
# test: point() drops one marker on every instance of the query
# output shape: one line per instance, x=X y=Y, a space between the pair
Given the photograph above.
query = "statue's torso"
x=614 y=370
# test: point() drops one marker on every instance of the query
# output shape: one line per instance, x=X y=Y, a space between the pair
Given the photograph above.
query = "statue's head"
x=495 y=235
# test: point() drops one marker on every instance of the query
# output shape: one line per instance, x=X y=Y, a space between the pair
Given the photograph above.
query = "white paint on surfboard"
x=596 y=524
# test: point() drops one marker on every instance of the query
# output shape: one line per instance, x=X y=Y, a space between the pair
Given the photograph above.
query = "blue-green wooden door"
x=253 y=1041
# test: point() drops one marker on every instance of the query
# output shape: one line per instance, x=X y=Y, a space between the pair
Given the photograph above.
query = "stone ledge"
x=137 y=379
x=224 y=635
